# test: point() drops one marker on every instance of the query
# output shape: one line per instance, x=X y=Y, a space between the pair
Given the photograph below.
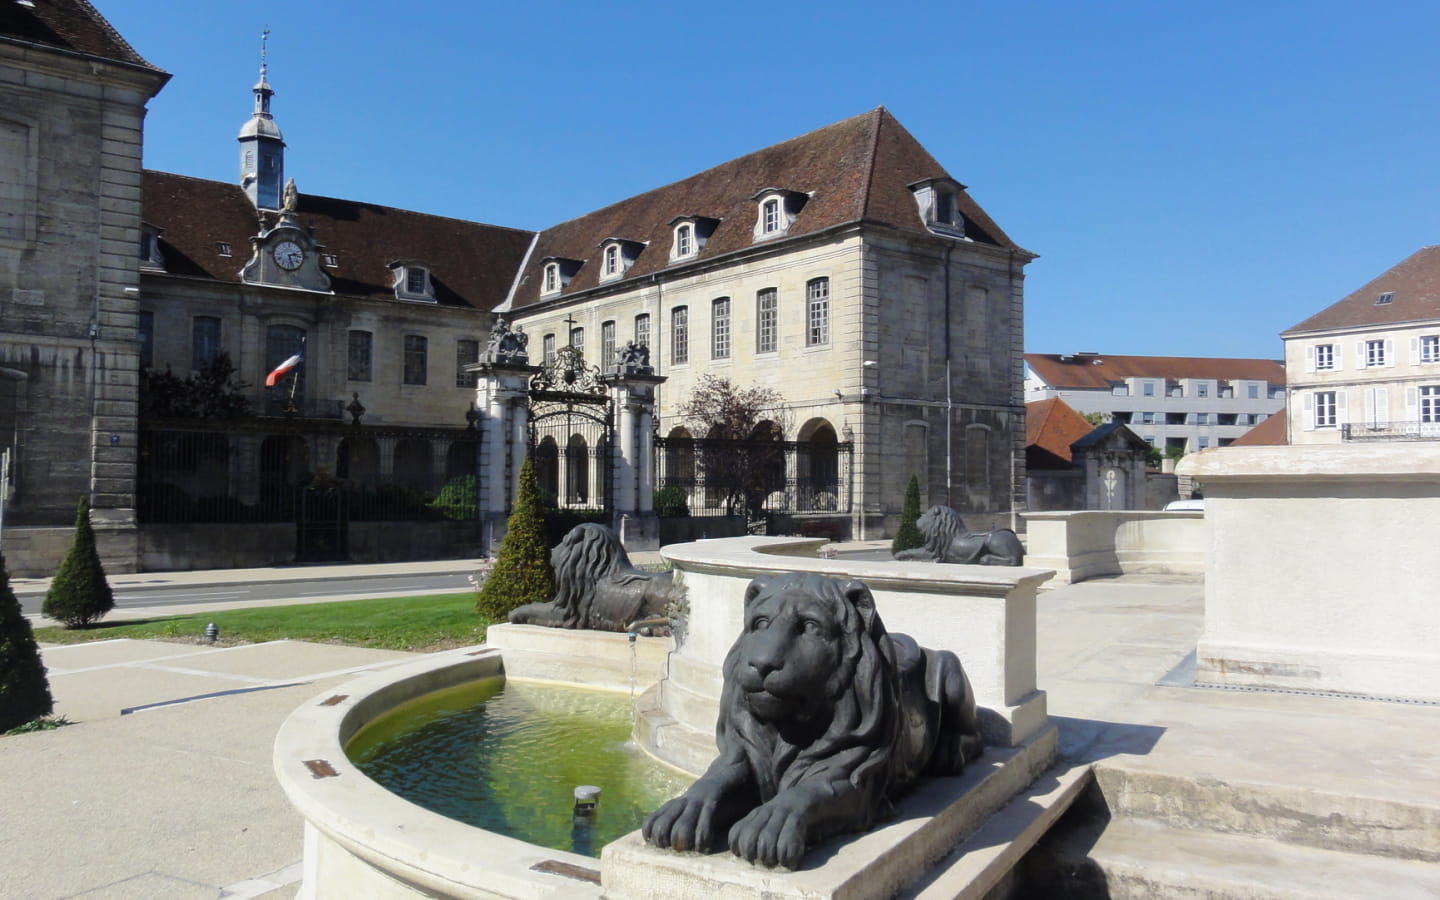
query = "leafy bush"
x=79 y=594
x=522 y=572
x=671 y=501
x=456 y=499
x=909 y=536
x=24 y=690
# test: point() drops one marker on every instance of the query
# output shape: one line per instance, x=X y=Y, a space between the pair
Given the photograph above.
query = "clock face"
x=289 y=255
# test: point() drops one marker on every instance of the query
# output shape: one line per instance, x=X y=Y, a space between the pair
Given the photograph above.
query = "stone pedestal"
x=1321 y=573
x=501 y=422
x=633 y=464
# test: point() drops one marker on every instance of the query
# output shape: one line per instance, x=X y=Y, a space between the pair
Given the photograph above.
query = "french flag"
x=283 y=369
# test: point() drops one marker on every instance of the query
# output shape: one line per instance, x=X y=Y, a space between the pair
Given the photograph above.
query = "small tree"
x=79 y=594
x=745 y=470
x=24 y=691
x=522 y=572
x=909 y=536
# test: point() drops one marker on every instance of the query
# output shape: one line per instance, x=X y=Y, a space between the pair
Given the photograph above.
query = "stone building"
x=845 y=268
x=1073 y=465
x=1368 y=366
x=70 y=160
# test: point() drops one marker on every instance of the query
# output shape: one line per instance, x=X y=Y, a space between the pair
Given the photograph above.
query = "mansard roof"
x=853 y=171
x=470 y=264
x=1100 y=371
x=72 y=25
x=1414 y=286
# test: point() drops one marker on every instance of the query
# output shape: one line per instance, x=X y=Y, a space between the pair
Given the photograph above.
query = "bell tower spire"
x=262 y=148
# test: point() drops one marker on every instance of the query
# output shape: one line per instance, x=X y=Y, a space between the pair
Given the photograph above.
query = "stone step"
x=1289 y=813
x=1131 y=858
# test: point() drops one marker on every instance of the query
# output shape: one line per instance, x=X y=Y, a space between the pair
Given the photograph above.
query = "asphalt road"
x=180 y=596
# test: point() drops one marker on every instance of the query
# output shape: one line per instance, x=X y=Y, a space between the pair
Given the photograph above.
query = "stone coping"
x=1398 y=461
x=759 y=554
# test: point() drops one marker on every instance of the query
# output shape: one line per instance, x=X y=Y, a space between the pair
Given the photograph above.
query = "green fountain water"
x=507 y=756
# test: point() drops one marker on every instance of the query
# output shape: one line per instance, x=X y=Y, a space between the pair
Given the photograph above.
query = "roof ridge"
x=879 y=114
x=119 y=38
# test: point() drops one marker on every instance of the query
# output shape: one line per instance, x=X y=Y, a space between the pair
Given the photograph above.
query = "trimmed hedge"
x=909 y=536
x=79 y=595
x=24 y=690
x=522 y=572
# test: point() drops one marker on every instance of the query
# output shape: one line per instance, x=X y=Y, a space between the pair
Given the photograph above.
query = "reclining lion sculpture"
x=824 y=720
x=597 y=588
x=948 y=541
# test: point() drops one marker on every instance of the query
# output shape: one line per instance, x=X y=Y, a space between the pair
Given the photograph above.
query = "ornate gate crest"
x=572 y=434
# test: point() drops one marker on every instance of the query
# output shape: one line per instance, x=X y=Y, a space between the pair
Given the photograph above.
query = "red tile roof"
x=1414 y=283
x=853 y=171
x=1052 y=426
x=1099 y=371
x=1268 y=433
x=72 y=25
x=470 y=264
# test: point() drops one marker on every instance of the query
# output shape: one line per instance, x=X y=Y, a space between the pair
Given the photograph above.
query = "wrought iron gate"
x=572 y=437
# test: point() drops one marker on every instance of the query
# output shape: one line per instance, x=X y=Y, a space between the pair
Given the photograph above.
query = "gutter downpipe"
x=949 y=398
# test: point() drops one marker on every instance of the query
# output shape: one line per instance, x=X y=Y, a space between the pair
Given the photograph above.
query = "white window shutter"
x=1335 y=359
x=1382 y=407
x=1310 y=357
x=1309 y=417
x=1361 y=359
x=1412 y=405
x=1414 y=350
x=1389 y=352
x=1340 y=417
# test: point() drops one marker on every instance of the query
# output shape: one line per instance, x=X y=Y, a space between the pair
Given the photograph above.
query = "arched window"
x=414 y=464
x=547 y=471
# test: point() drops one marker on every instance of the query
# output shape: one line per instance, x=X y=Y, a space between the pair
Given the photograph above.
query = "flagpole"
x=295 y=377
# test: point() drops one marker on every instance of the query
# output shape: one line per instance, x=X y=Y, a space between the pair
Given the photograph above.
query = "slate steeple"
x=262 y=149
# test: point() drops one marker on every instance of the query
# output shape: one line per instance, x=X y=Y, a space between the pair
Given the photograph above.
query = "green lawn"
x=394 y=623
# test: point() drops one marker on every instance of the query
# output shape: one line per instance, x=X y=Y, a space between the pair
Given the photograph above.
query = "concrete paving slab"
x=105 y=693
x=282 y=660
x=76 y=657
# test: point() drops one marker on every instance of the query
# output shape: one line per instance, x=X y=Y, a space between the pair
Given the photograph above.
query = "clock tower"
x=262 y=149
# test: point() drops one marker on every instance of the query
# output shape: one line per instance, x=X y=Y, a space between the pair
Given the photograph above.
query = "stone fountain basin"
x=361 y=840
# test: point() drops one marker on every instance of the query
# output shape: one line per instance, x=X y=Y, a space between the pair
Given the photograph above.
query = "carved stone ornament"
x=507 y=347
x=633 y=359
x=948 y=541
x=597 y=588
x=825 y=719
x=568 y=374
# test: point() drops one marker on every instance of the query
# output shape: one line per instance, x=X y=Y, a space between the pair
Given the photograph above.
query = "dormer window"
x=412 y=281
x=775 y=211
x=222 y=248
x=150 y=256
x=691 y=233
x=617 y=255
x=555 y=274
x=938 y=201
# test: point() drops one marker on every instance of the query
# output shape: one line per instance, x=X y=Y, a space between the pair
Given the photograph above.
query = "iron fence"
x=709 y=477
x=1391 y=431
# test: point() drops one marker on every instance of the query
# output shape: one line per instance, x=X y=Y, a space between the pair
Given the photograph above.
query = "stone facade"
x=71 y=129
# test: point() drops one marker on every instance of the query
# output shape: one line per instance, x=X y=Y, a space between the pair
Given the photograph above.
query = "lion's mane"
x=597 y=588
x=586 y=555
x=941 y=525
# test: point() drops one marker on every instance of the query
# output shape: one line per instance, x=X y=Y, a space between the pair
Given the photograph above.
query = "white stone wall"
x=1322 y=570
x=1368 y=397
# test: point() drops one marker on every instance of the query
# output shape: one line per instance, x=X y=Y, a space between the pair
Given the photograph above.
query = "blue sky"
x=1195 y=177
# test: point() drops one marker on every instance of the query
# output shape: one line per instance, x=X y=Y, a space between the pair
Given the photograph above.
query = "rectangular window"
x=466 y=352
x=683 y=245
x=1202 y=418
x=1324 y=357
x=642 y=330
x=680 y=335
x=357 y=365
x=1253 y=391
x=1148 y=389
x=1202 y=390
x=577 y=340
x=548 y=343
x=417 y=363
x=607 y=343
x=222 y=248
x=1324 y=409
x=414 y=280
x=147 y=338
x=720 y=328
x=204 y=341
x=817 y=297
x=331 y=260
x=770 y=217
x=281 y=343
x=767 y=312
x=1430 y=348
x=1374 y=353
x=1430 y=404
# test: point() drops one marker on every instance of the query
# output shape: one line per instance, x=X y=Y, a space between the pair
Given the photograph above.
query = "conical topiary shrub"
x=79 y=594
x=522 y=572
x=909 y=536
x=24 y=691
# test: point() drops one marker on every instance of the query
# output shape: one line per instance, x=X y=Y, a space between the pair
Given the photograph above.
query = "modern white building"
x=1368 y=366
x=1175 y=403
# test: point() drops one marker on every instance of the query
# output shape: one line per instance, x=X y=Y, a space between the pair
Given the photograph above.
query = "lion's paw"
x=684 y=823
x=772 y=834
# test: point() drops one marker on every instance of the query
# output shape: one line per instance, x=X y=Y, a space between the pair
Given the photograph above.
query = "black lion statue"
x=947 y=541
x=824 y=720
x=597 y=588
